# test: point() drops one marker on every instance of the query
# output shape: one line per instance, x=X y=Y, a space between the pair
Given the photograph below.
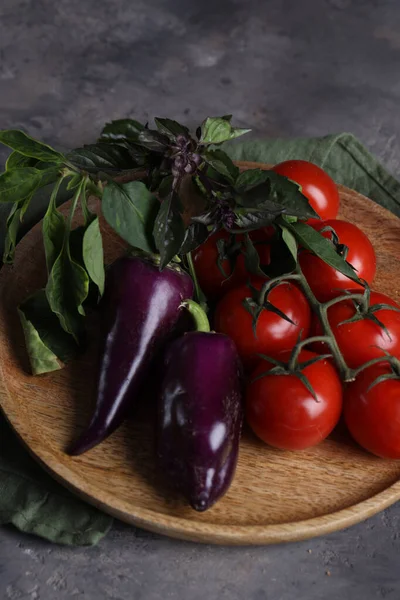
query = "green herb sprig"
x=162 y=190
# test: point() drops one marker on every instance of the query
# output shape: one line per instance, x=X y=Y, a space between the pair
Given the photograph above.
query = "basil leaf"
x=165 y=186
x=93 y=255
x=195 y=235
x=48 y=345
x=102 y=156
x=131 y=209
x=53 y=230
x=49 y=175
x=313 y=241
x=252 y=258
x=24 y=144
x=18 y=184
x=169 y=229
x=215 y=130
x=153 y=140
x=250 y=178
x=171 y=128
x=75 y=180
x=121 y=129
x=66 y=290
x=19 y=161
x=207 y=218
x=287 y=193
x=249 y=219
x=290 y=241
x=14 y=220
x=220 y=162
x=13 y=223
x=268 y=190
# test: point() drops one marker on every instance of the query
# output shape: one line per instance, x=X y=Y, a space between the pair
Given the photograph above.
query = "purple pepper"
x=140 y=309
x=200 y=415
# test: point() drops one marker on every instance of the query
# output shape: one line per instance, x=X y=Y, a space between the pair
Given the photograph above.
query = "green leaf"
x=165 y=186
x=250 y=219
x=287 y=193
x=102 y=156
x=270 y=191
x=290 y=241
x=169 y=230
x=131 y=210
x=195 y=235
x=25 y=205
x=250 y=178
x=24 y=144
x=53 y=230
x=121 y=129
x=75 y=180
x=251 y=257
x=48 y=175
x=171 y=128
x=215 y=130
x=66 y=290
x=221 y=162
x=18 y=184
x=48 y=345
x=13 y=223
x=68 y=283
x=153 y=140
x=93 y=255
x=19 y=161
x=313 y=241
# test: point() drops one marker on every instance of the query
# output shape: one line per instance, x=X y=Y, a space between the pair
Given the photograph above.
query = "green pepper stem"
x=198 y=314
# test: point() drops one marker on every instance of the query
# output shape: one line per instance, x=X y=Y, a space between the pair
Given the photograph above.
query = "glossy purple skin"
x=140 y=310
x=200 y=416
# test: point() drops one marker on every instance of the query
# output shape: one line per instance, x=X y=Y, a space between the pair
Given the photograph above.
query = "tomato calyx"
x=365 y=310
x=394 y=364
x=258 y=302
x=293 y=367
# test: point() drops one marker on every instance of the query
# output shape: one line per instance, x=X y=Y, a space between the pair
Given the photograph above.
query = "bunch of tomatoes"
x=295 y=395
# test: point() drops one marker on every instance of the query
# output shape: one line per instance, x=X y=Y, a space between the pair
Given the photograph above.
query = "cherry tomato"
x=325 y=281
x=205 y=258
x=362 y=340
x=283 y=412
x=372 y=415
x=273 y=333
x=316 y=185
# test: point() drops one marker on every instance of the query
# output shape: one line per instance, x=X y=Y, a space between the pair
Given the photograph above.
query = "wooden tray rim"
x=187 y=529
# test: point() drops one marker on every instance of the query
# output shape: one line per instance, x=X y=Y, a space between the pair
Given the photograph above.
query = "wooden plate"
x=276 y=496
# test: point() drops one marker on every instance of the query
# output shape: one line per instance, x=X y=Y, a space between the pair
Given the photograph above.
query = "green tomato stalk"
x=321 y=310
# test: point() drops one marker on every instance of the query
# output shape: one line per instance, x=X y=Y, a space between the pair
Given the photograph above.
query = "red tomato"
x=325 y=281
x=274 y=333
x=362 y=340
x=205 y=258
x=283 y=413
x=316 y=185
x=373 y=415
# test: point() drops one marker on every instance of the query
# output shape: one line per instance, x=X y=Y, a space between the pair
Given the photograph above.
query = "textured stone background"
x=284 y=68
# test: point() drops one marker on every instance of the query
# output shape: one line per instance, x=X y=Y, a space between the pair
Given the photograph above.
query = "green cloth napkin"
x=29 y=498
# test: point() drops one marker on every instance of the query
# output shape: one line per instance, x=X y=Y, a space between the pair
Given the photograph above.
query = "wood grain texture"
x=276 y=496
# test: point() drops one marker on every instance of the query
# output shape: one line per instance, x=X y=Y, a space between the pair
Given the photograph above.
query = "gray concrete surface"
x=282 y=67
